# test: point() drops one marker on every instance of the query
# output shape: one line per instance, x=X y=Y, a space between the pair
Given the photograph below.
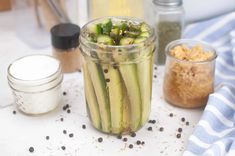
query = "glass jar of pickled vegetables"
x=117 y=67
x=189 y=73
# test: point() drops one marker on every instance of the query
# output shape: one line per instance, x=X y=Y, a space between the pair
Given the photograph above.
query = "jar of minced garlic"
x=189 y=73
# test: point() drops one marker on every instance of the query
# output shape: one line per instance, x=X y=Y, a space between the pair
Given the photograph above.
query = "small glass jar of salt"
x=35 y=81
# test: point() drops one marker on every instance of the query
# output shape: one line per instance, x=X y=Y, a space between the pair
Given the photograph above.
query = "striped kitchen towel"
x=214 y=135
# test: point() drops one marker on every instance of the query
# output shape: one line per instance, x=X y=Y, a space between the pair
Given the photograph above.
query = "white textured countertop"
x=18 y=132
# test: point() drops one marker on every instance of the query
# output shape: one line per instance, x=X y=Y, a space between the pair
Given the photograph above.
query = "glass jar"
x=65 y=41
x=35 y=81
x=169 y=24
x=188 y=83
x=101 y=8
x=118 y=84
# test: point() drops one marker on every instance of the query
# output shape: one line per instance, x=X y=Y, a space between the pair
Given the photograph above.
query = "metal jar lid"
x=168 y=3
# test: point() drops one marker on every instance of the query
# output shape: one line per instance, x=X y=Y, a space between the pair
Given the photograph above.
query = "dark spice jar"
x=65 y=40
x=169 y=23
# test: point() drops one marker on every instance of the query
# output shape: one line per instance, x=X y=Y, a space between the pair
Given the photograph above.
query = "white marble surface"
x=18 y=132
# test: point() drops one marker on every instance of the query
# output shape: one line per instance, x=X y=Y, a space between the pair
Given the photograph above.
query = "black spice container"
x=65 y=41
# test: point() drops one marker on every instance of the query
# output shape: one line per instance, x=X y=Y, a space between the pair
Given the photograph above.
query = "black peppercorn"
x=130 y=146
x=142 y=142
x=100 y=139
x=171 y=114
x=63 y=147
x=68 y=111
x=183 y=119
x=31 y=149
x=138 y=142
x=150 y=128
x=187 y=123
x=119 y=137
x=178 y=136
x=180 y=130
x=105 y=70
x=47 y=137
x=125 y=139
x=107 y=80
x=61 y=119
x=64 y=108
x=14 y=112
x=71 y=135
x=161 y=129
x=153 y=121
x=133 y=134
x=83 y=126
x=64 y=93
x=64 y=131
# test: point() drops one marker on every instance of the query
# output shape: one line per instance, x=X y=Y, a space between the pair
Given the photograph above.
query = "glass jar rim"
x=83 y=39
x=190 y=42
x=35 y=82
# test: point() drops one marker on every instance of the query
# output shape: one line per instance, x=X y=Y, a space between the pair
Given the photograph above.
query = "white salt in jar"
x=35 y=81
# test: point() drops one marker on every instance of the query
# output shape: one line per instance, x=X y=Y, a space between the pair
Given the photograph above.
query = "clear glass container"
x=33 y=95
x=188 y=83
x=169 y=24
x=65 y=41
x=118 y=84
x=101 y=8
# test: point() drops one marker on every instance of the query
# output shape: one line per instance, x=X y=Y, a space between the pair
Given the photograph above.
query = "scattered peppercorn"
x=68 y=111
x=161 y=129
x=67 y=105
x=119 y=136
x=63 y=147
x=180 y=130
x=125 y=139
x=107 y=80
x=105 y=70
x=83 y=126
x=64 y=131
x=31 y=149
x=155 y=76
x=150 y=128
x=142 y=142
x=178 y=136
x=115 y=66
x=14 y=112
x=150 y=121
x=187 y=123
x=183 y=119
x=71 y=135
x=62 y=119
x=130 y=146
x=64 y=108
x=171 y=114
x=100 y=139
x=138 y=142
x=155 y=68
x=64 y=93
x=47 y=137
x=153 y=121
x=133 y=134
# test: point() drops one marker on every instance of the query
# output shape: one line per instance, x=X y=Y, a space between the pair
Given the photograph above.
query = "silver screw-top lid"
x=168 y=2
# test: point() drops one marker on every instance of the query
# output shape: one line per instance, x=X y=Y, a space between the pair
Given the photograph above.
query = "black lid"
x=65 y=36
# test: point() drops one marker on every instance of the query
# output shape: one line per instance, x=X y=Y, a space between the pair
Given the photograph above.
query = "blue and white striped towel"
x=214 y=135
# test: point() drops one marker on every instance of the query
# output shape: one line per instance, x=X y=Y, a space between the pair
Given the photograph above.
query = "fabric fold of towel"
x=214 y=135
